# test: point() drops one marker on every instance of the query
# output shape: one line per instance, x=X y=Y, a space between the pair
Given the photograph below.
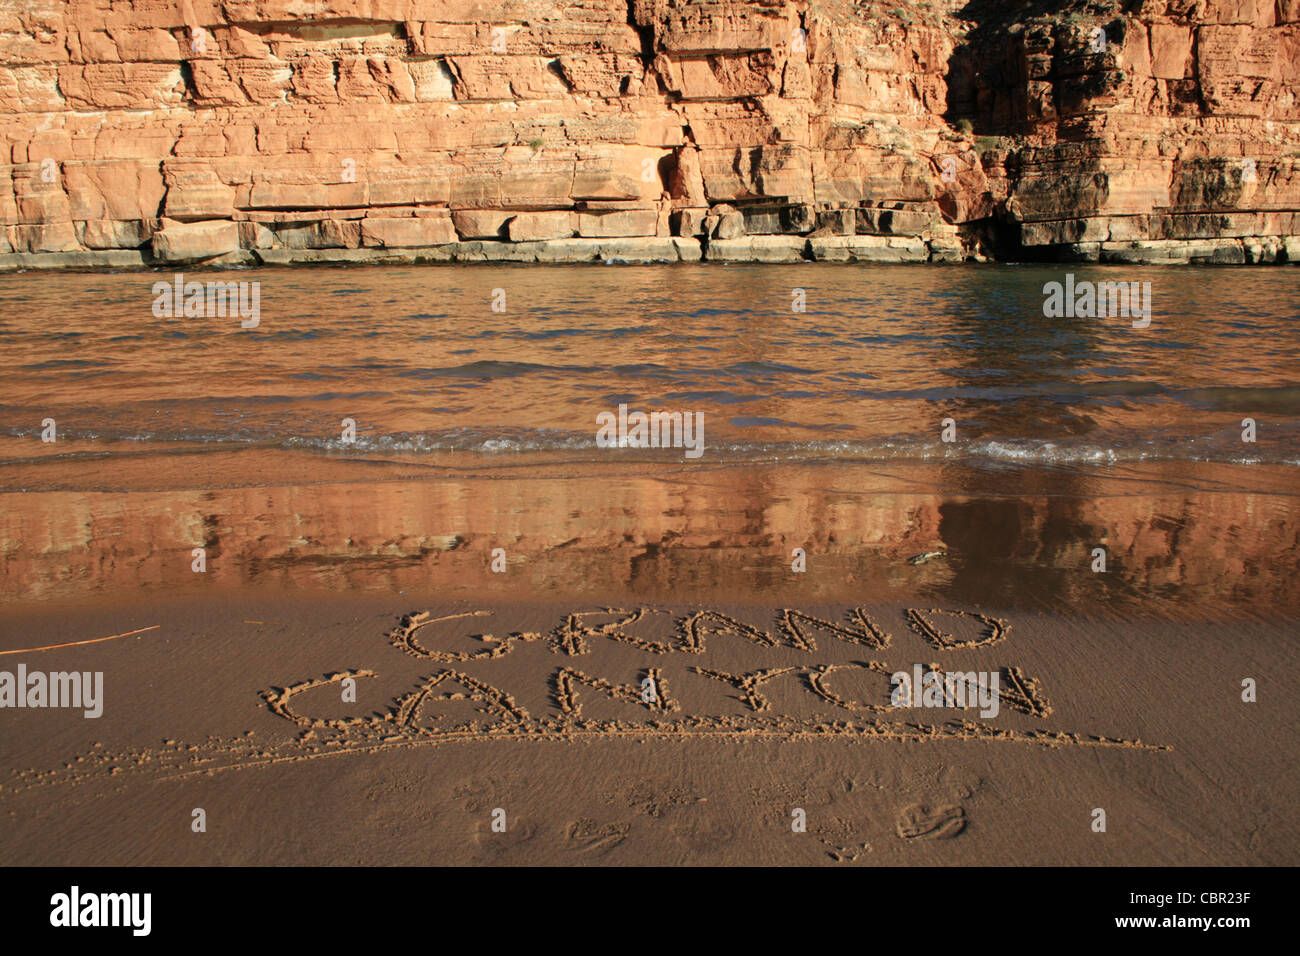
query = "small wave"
x=504 y=441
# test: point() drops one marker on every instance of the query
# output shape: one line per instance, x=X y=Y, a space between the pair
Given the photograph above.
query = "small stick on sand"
x=97 y=640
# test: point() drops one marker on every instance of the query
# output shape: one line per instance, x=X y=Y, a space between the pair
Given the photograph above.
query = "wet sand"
x=1181 y=539
x=525 y=691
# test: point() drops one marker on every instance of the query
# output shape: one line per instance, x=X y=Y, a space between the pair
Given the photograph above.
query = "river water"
x=823 y=429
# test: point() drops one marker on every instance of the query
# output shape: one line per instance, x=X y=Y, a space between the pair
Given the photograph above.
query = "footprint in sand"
x=490 y=844
x=704 y=837
x=483 y=793
x=655 y=803
x=595 y=839
x=845 y=854
x=960 y=782
x=922 y=821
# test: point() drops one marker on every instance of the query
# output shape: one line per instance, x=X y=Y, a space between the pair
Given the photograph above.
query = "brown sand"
x=523 y=692
x=234 y=706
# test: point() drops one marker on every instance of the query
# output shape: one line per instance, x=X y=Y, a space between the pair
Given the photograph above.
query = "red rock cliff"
x=143 y=131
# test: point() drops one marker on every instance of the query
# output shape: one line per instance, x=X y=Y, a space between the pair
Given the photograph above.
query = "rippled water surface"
x=476 y=430
x=419 y=360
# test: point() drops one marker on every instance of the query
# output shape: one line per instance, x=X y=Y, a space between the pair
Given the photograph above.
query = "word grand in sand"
x=451 y=705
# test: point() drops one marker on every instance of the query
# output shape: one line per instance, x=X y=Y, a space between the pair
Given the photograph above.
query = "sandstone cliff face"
x=143 y=131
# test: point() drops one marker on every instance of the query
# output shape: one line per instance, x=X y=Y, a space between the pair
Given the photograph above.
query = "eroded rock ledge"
x=144 y=132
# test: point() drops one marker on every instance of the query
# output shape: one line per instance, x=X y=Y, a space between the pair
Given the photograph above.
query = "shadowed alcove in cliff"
x=1023 y=65
x=1029 y=74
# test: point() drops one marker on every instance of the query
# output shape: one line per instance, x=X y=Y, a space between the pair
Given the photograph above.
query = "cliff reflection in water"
x=1013 y=538
x=476 y=430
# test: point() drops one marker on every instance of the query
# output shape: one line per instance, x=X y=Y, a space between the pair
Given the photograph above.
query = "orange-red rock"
x=447 y=119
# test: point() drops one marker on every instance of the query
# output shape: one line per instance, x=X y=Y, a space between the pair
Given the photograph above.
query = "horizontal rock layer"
x=729 y=130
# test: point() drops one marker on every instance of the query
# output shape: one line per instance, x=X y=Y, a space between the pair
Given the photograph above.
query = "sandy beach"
x=241 y=717
x=770 y=690
x=364 y=585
